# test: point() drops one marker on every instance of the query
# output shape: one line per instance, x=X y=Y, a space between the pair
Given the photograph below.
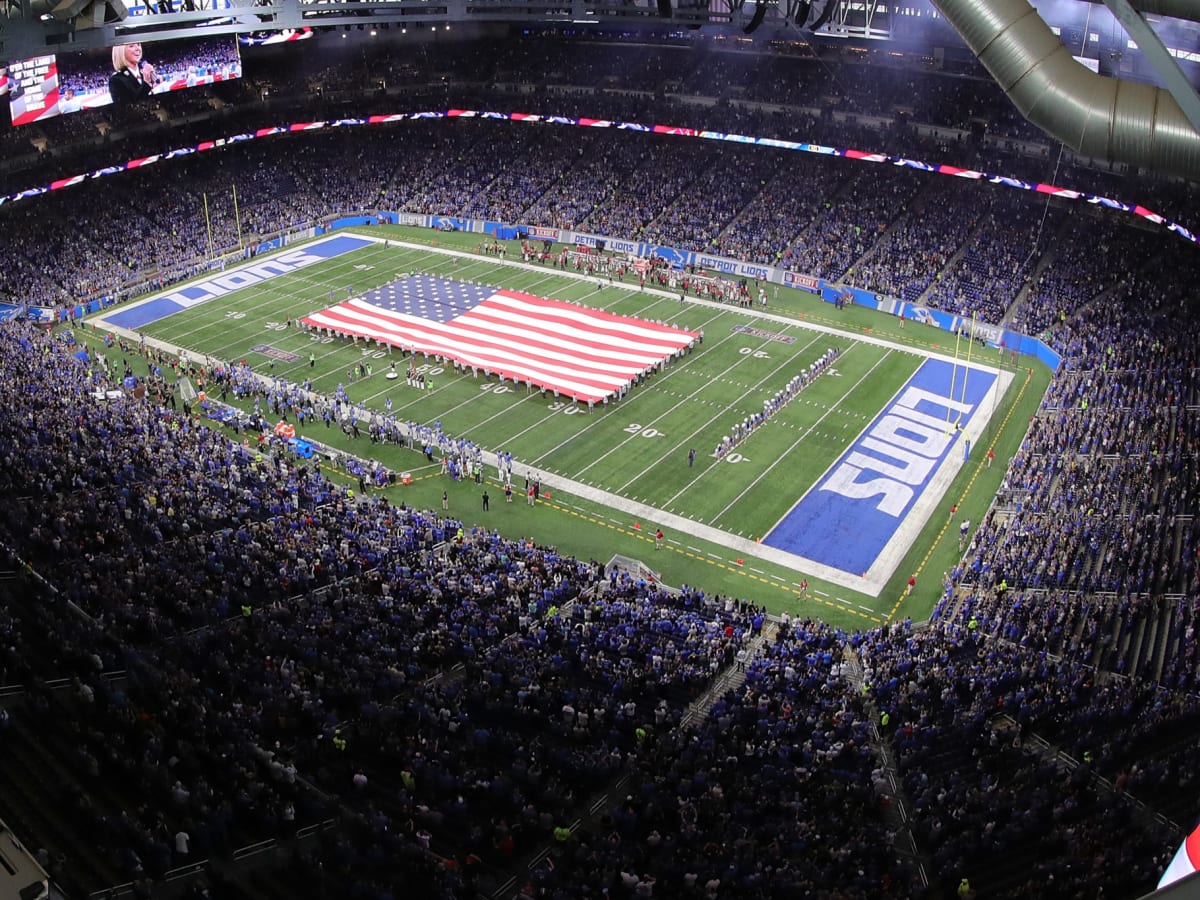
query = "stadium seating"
x=454 y=705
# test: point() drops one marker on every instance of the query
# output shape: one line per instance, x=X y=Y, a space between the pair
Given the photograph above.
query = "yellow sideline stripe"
x=967 y=490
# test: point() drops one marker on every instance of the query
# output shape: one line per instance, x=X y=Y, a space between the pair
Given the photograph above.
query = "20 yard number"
x=647 y=432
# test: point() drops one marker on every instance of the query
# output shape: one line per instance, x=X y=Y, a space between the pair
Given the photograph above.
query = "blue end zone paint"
x=247 y=275
x=847 y=519
x=144 y=313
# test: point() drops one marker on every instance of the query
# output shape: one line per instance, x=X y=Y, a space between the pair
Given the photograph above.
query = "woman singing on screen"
x=133 y=78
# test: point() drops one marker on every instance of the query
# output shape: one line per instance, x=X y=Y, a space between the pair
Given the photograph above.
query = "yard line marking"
x=601 y=412
x=678 y=445
x=671 y=371
x=829 y=411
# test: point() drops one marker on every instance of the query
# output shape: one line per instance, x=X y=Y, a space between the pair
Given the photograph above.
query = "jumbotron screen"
x=47 y=86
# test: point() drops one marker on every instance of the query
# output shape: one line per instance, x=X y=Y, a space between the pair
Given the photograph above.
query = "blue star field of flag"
x=436 y=299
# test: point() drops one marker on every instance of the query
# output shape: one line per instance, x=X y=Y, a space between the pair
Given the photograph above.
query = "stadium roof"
x=1077 y=103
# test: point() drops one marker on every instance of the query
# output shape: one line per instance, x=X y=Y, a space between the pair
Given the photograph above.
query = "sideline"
x=870 y=583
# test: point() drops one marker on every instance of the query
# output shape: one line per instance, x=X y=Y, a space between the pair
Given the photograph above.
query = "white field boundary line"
x=874 y=581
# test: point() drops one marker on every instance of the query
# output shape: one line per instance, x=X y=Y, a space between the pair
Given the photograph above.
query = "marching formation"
x=743 y=429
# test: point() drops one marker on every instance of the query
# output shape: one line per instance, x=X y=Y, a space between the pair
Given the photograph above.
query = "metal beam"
x=1174 y=9
x=1156 y=52
x=24 y=34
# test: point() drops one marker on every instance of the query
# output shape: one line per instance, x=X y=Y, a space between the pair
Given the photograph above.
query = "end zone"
x=861 y=517
x=167 y=303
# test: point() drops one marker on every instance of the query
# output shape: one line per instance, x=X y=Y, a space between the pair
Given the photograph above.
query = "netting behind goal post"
x=636 y=569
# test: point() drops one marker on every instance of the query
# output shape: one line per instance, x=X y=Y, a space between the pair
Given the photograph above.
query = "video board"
x=54 y=85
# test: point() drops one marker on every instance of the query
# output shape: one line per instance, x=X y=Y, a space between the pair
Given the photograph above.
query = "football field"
x=841 y=483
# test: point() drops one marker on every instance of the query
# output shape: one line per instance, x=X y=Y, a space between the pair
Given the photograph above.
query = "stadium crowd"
x=745 y=202
x=456 y=699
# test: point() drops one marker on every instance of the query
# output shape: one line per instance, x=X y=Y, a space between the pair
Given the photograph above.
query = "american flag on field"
x=582 y=353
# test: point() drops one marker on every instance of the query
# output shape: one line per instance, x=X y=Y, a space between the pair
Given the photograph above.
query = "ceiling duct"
x=760 y=13
x=1101 y=117
x=80 y=14
x=1176 y=9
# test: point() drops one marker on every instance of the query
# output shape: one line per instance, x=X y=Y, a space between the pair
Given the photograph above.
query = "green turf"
x=636 y=448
